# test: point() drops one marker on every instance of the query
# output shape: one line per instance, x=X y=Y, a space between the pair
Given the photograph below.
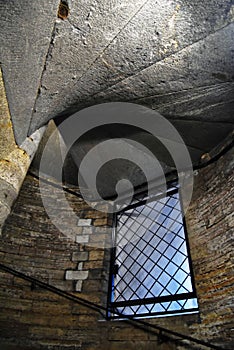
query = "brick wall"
x=33 y=318
x=210 y=225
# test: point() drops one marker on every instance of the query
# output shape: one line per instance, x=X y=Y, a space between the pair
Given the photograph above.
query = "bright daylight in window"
x=151 y=271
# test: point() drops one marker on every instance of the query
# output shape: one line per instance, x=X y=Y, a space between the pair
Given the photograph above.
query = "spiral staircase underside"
x=175 y=57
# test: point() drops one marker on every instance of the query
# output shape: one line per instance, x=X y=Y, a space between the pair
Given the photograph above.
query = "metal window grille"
x=151 y=272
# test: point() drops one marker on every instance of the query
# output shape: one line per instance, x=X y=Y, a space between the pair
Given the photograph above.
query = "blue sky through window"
x=153 y=261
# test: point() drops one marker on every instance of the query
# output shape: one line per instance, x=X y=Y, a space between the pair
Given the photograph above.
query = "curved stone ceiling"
x=173 y=56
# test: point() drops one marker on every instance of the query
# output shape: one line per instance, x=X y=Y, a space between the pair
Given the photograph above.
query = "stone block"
x=87 y=230
x=96 y=254
x=80 y=266
x=4 y=212
x=76 y=275
x=78 y=286
x=23 y=66
x=82 y=239
x=101 y=222
x=94 y=214
x=95 y=264
x=95 y=274
x=7 y=193
x=84 y=222
x=80 y=256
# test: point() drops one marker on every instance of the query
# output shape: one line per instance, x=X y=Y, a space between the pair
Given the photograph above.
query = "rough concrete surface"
x=14 y=160
x=172 y=56
x=25 y=36
x=164 y=47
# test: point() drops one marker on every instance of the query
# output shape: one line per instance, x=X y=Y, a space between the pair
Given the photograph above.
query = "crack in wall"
x=47 y=59
x=155 y=63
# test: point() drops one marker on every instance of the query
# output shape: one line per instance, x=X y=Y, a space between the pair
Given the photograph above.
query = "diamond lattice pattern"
x=152 y=258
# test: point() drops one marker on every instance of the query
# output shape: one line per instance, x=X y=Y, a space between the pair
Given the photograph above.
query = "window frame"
x=111 y=305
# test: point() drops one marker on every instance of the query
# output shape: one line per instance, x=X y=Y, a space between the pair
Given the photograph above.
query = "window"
x=151 y=271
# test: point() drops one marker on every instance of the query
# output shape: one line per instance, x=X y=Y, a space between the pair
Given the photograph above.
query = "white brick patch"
x=84 y=222
x=76 y=275
x=82 y=238
x=80 y=266
x=79 y=286
x=87 y=230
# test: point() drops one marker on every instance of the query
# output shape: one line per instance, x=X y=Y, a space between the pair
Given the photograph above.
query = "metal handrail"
x=99 y=308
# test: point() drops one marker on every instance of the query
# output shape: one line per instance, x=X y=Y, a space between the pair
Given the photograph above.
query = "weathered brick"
x=76 y=275
x=97 y=254
x=80 y=266
x=84 y=222
x=46 y=254
x=94 y=214
x=82 y=239
x=87 y=230
x=80 y=256
x=78 y=286
x=95 y=264
x=100 y=222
